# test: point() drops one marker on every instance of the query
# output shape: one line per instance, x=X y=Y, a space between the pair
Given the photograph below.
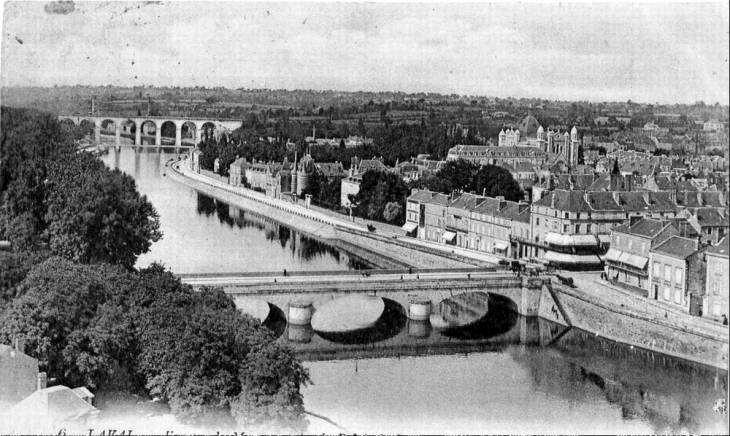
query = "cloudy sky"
x=647 y=52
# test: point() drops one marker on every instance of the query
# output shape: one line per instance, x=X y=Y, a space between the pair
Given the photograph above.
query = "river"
x=508 y=374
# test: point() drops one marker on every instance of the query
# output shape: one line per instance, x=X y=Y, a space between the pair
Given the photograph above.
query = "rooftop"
x=677 y=247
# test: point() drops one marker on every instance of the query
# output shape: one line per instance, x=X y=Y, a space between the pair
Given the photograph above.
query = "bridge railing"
x=372 y=272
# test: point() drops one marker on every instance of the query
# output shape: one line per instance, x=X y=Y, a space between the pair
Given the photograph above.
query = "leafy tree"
x=494 y=181
x=95 y=214
x=377 y=189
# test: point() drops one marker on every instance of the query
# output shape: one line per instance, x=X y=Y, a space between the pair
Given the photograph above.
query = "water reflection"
x=195 y=226
x=395 y=333
x=460 y=311
x=500 y=319
x=668 y=394
x=390 y=323
x=304 y=247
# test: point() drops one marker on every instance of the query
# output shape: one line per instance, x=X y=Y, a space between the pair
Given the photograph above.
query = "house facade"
x=627 y=261
x=715 y=304
x=677 y=274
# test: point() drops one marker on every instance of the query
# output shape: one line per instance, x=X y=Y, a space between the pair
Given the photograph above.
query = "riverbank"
x=385 y=251
x=678 y=337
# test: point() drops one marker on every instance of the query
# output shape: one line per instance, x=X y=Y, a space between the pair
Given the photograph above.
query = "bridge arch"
x=168 y=129
x=67 y=120
x=108 y=125
x=189 y=132
x=207 y=128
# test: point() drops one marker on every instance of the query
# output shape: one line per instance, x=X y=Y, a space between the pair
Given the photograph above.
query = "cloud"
x=60 y=7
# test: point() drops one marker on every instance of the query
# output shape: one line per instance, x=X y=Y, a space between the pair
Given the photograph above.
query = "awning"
x=573 y=259
x=604 y=239
x=585 y=240
x=557 y=239
x=633 y=260
x=558 y=257
x=449 y=236
x=500 y=246
x=409 y=227
x=613 y=254
x=591 y=259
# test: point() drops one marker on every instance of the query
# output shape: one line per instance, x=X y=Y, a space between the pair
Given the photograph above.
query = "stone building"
x=627 y=261
x=678 y=273
x=715 y=304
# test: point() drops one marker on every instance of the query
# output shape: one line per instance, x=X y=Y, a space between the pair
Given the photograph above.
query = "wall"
x=644 y=330
x=716 y=301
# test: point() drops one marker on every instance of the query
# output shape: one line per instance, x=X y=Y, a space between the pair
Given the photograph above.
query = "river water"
x=506 y=374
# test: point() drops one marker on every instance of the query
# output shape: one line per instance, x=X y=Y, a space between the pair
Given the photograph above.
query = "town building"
x=715 y=304
x=678 y=273
x=627 y=261
x=495 y=155
x=350 y=185
x=713 y=125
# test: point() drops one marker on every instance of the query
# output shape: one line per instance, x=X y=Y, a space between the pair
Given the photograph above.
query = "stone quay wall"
x=643 y=330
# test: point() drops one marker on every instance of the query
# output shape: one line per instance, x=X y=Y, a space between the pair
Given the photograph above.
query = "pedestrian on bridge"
x=284 y=272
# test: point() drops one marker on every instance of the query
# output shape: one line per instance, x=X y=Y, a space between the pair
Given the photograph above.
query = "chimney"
x=552 y=200
x=42 y=380
x=20 y=344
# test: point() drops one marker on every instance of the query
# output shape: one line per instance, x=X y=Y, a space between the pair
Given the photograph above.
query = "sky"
x=647 y=52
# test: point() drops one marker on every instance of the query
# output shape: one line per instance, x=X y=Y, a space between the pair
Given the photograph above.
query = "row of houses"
x=653 y=257
x=642 y=239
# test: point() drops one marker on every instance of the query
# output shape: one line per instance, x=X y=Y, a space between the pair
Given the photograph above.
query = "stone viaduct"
x=149 y=126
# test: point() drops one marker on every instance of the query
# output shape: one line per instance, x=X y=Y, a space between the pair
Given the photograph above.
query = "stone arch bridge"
x=135 y=126
x=530 y=296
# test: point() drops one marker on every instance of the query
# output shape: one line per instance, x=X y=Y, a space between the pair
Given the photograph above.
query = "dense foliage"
x=104 y=326
x=68 y=287
x=382 y=197
x=51 y=196
x=462 y=175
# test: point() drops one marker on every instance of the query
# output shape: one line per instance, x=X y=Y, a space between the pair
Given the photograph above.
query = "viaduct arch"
x=133 y=127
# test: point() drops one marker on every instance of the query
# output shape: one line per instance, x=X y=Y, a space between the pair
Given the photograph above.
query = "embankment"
x=647 y=331
x=381 y=251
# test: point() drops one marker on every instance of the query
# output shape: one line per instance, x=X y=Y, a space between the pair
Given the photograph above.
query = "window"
x=643 y=247
x=678 y=296
x=618 y=243
x=537 y=221
x=566 y=228
x=667 y=272
x=631 y=244
x=656 y=271
x=567 y=215
x=717 y=308
x=667 y=293
x=678 y=273
x=588 y=228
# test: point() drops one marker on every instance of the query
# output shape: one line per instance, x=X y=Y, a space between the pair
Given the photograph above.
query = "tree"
x=494 y=181
x=392 y=210
x=377 y=189
x=95 y=214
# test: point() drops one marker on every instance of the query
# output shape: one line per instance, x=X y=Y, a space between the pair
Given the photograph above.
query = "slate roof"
x=709 y=217
x=647 y=227
x=677 y=247
x=426 y=196
x=721 y=249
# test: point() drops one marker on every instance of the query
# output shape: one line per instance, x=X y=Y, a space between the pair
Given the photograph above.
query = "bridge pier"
x=158 y=136
x=198 y=135
x=117 y=134
x=137 y=134
x=97 y=133
x=178 y=135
